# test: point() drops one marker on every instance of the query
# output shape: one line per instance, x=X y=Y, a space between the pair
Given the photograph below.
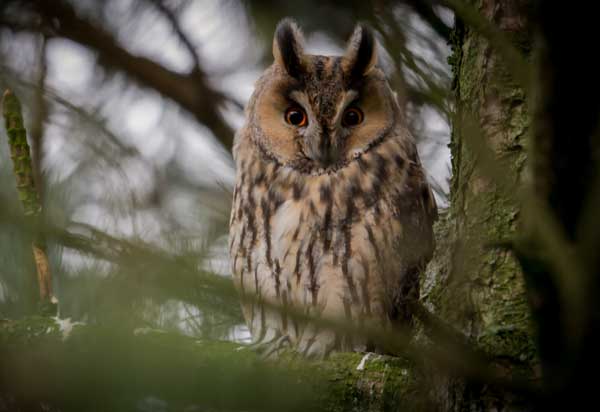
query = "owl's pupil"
x=352 y=117
x=295 y=117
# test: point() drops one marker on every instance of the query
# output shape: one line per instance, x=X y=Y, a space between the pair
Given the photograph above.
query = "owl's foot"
x=273 y=348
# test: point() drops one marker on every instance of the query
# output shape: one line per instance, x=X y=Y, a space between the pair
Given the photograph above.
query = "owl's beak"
x=321 y=150
x=326 y=159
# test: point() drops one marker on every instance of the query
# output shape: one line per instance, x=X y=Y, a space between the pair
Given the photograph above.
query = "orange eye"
x=296 y=117
x=352 y=117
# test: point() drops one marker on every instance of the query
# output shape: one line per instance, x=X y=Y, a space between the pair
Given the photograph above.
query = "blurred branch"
x=94 y=119
x=189 y=90
x=40 y=114
x=28 y=194
x=172 y=18
x=95 y=368
x=430 y=89
x=141 y=265
x=427 y=13
x=153 y=267
x=146 y=266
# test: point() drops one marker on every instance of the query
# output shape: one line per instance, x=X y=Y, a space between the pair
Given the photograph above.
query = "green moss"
x=508 y=342
x=20 y=154
x=384 y=383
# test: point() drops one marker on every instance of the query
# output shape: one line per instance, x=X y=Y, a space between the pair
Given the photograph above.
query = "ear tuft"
x=288 y=47
x=361 y=53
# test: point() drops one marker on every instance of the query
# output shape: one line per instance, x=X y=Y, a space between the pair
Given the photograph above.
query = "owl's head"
x=318 y=113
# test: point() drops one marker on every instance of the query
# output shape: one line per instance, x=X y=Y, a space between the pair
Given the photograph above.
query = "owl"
x=332 y=213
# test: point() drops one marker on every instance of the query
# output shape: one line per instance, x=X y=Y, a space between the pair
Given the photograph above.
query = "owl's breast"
x=335 y=242
x=286 y=223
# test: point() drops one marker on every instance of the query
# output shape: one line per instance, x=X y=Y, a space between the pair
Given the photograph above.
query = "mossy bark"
x=20 y=154
x=472 y=284
x=28 y=194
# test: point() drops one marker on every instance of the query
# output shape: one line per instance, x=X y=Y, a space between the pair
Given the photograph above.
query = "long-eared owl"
x=332 y=214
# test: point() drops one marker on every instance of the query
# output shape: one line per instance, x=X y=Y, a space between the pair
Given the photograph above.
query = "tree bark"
x=474 y=283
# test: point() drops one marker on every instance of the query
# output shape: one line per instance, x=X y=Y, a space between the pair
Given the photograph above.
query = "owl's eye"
x=352 y=117
x=296 y=117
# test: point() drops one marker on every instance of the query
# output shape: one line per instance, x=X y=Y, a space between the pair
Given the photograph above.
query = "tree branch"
x=427 y=13
x=188 y=90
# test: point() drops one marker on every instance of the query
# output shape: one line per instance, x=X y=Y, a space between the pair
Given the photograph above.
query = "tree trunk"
x=474 y=283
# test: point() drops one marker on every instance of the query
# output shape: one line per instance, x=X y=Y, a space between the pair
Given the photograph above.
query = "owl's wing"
x=416 y=208
x=419 y=208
